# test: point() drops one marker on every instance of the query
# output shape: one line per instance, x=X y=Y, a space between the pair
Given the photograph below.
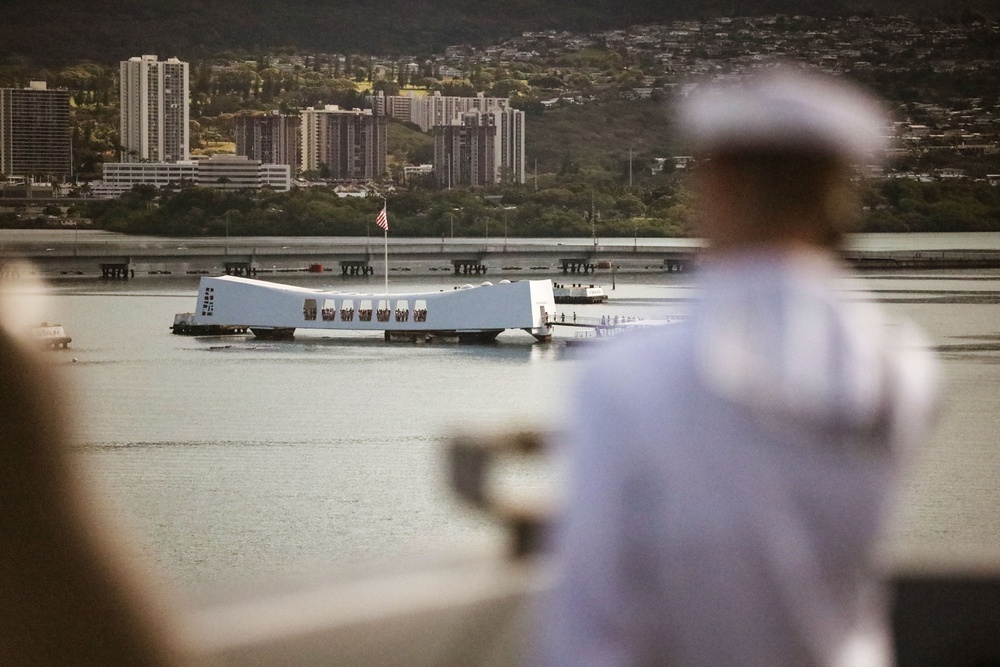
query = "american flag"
x=382 y=221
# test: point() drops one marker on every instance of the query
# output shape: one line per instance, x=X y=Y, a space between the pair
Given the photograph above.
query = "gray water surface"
x=232 y=458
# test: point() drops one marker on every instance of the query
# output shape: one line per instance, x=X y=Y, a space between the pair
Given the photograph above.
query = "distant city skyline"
x=937 y=73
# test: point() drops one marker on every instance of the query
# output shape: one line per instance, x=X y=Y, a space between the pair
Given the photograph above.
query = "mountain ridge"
x=62 y=31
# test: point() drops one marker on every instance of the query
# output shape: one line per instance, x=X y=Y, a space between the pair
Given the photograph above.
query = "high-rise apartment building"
x=344 y=144
x=480 y=149
x=466 y=151
x=34 y=132
x=154 y=110
x=437 y=109
x=511 y=124
x=270 y=138
x=395 y=106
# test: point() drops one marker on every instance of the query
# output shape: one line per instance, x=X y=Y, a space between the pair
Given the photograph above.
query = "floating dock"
x=184 y=325
x=578 y=293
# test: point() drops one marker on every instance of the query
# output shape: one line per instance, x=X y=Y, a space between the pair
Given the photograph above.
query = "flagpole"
x=386 y=230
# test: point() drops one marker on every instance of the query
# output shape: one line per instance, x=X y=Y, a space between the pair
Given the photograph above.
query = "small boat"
x=578 y=294
x=50 y=335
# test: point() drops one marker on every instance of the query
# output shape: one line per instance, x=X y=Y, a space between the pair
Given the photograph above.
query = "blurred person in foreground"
x=69 y=592
x=729 y=475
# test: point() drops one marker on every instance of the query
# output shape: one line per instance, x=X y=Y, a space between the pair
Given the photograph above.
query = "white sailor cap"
x=784 y=110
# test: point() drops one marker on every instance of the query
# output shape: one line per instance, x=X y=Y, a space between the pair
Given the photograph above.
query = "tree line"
x=558 y=210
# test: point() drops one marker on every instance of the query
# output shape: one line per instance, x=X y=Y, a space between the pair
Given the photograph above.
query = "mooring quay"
x=117 y=256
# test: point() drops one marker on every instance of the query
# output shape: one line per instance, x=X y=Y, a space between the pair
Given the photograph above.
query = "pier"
x=241 y=267
x=466 y=265
x=577 y=265
x=117 y=268
x=356 y=267
x=588 y=329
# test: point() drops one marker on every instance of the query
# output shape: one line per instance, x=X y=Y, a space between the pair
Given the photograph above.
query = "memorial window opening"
x=420 y=311
x=309 y=310
x=365 y=310
x=347 y=310
x=402 y=310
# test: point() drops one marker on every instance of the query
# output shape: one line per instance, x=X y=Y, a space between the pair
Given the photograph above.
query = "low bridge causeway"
x=238 y=256
x=119 y=256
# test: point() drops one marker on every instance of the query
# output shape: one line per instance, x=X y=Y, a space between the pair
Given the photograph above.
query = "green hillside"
x=407 y=144
x=593 y=140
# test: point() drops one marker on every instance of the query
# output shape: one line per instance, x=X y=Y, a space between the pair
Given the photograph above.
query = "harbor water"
x=230 y=459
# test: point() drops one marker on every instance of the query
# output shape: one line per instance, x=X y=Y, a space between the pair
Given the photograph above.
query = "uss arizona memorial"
x=463 y=314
